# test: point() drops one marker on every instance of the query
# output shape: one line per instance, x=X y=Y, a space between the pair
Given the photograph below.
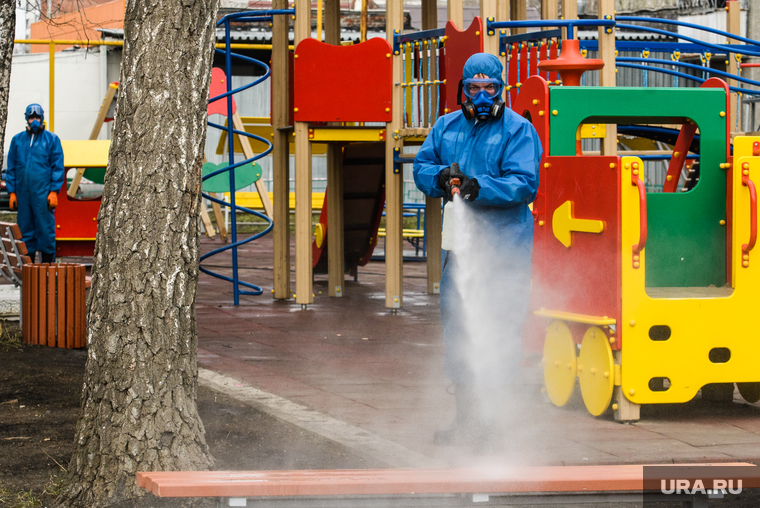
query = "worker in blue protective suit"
x=485 y=287
x=34 y=176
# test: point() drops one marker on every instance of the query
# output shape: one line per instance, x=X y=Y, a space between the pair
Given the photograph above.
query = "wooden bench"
x=14 y=251
x=421 y=487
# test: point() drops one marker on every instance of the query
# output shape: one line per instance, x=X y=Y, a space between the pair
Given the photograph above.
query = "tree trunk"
x=140 y=386
x=7 y=34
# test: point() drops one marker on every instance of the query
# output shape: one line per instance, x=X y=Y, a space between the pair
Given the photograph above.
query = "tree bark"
x=140 y=386
x=7 y=34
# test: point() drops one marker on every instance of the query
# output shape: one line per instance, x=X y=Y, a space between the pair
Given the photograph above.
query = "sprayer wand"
x=455 y=183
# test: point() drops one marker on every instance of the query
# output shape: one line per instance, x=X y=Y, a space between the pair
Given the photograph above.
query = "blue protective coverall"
x=503 y=156
x=35 y=169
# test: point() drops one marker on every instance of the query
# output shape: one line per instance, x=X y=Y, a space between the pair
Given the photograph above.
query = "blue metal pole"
x=231 y=150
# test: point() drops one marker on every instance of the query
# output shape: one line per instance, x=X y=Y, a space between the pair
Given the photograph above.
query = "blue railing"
x=247 y=16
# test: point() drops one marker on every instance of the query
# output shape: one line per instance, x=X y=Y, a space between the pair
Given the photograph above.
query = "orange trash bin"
x=53 y=304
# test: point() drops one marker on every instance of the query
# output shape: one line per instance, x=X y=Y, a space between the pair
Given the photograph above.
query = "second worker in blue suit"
x=35 y=175
x=485 y=287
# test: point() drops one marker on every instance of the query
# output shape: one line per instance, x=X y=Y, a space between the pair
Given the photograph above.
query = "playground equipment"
x=643 y=292
x=77 y=219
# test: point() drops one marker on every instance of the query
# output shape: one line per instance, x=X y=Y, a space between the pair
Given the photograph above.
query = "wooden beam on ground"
x=394 y=183
x=607 y=76
x=280 y=155
x=304 y=293
x=336 y=270
x=734 y=26
x=245 y=143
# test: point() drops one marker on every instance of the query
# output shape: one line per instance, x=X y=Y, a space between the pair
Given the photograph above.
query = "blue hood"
x=483 y=63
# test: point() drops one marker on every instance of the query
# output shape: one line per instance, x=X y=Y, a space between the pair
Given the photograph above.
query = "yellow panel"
x=563 y=223
x=85 y=153
x=264 y=130
x=697 y=323
x=595 y=371
x=347 y=134
x=575 y=318
x=560 y=363
x=407 y=233
x=252 y=200
x=593 y=130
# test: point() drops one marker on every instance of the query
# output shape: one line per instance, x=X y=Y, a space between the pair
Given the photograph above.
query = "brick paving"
x=351 y=359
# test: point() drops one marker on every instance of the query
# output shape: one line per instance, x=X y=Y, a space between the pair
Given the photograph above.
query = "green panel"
x=97 y=175
x=245 y=175
x=686 y=244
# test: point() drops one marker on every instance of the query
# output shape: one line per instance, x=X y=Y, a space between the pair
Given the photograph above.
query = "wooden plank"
x=518 y=11
x=488 y=9
x=210 y=231
x=248 y=152
x=79 y=306
x=394 y=182
x=335 y=246
x=70 y=304
x=377 y=482
x=50 y=289
x=734 y=26
x=26 y=293
x=549 y=10
x=429 y=21
x=455 y=11
x=607 y=76
x=217 y=209
x=280 y=153
x=60 y=308
x=302 y=30
x=433 y=223
x=39 y=302
x=569 y=11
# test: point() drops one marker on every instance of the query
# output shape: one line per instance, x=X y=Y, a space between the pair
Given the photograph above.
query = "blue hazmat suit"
x=503 y=156
x=35 y=169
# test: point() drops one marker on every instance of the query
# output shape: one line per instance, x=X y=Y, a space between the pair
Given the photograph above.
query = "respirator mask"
x=483 y=98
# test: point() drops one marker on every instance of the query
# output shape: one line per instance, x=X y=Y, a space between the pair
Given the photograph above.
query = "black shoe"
x=459 y=432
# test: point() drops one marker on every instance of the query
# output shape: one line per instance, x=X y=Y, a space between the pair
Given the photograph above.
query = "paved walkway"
x=348 y=369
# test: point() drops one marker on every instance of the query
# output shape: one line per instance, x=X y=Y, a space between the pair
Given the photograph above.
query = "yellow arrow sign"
x=563 y=223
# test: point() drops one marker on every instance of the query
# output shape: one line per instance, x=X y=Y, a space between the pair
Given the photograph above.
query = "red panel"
x=76 y=219
x=544 y=54
x=218 y=87
x=553 y=56
x=512 y=77
x=533 y=59
x=442 y=77
x=459 y=47
x=536 y=89
x=77 y=249
x=523 y=63
x=343 y=83
x=584 y=278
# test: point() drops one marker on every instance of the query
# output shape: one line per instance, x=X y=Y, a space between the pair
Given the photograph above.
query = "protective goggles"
x=472 y=87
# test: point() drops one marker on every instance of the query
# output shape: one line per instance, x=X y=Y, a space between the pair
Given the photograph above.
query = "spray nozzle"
x=455 y=183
